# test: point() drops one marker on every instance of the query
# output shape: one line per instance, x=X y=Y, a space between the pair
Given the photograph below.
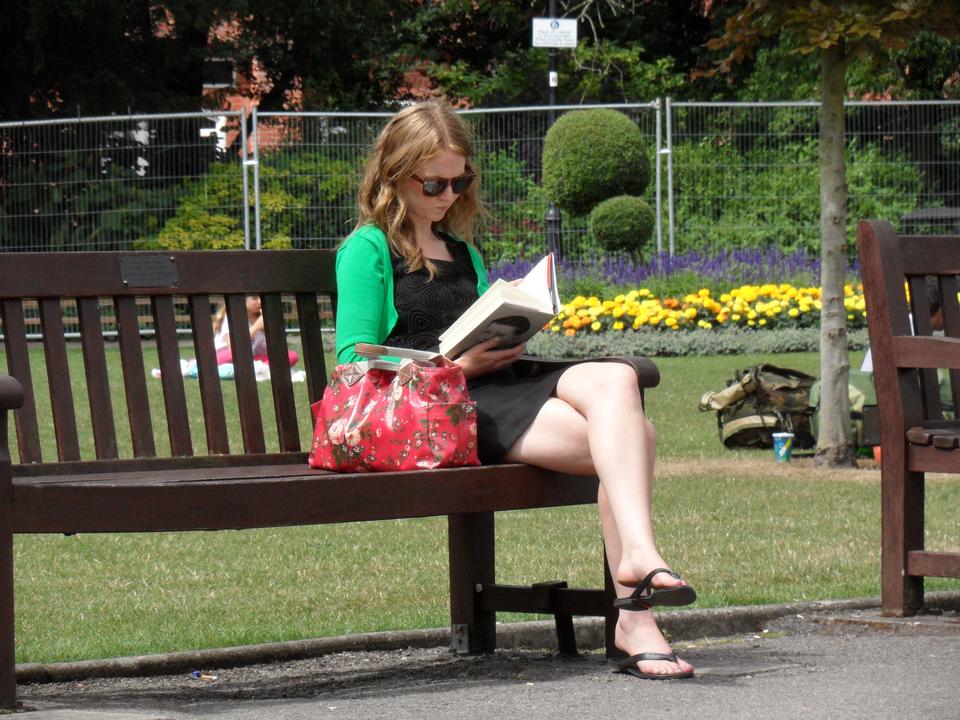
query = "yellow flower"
x=596 y=326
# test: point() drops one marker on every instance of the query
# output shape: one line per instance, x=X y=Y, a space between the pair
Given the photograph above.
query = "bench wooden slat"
x=165 y=475
x=134 y=378
x=925 y=352
x=171 y=376
x=283 y=400
x=98 y=385
x=88 y=468
x=18 y=363
x=211 y=395
x=933 y=564
x=305 y=500
x=248 y=399
x=311 y=340
x=223 y=271
x=58 y=380
x=923 y=254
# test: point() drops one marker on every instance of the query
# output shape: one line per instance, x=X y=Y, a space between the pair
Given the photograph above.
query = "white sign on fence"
x=554 y=32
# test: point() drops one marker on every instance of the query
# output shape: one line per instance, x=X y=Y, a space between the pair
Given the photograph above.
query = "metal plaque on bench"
x=148 y=271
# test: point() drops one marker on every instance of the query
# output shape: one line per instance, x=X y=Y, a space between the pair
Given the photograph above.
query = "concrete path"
x=834 y=662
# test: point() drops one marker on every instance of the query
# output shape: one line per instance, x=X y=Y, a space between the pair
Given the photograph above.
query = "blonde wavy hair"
x=414 y=136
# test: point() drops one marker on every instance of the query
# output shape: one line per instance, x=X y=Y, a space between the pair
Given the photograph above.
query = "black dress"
x=506 y=403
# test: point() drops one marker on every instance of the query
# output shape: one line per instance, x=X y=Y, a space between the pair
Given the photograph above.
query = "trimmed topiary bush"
x=623 y=224
x=591 y=155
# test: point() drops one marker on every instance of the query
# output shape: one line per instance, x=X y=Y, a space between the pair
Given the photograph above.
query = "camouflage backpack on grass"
x=760 y=401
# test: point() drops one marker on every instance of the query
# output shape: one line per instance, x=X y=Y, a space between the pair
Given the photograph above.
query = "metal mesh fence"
x=739 y=175
x=309 y=165
x=746 y=175
x=116 y=183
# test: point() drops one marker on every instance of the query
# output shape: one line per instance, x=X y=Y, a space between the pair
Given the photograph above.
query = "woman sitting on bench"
x=407 y=272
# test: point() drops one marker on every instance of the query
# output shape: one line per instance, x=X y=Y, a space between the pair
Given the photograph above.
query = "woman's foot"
x=634 y=569
x=636 y=633
x=645 y=595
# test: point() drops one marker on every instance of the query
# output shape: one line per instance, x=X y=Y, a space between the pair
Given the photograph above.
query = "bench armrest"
x=926 y=352
x=11 y=397
x=11 y=394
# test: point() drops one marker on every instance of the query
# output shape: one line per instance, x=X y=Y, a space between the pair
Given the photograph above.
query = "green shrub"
x=195 y=228
x=728 y=341
x=302 y=195
x=591 y=155
x=517 y=207
x=623 y=224
x=732 y=198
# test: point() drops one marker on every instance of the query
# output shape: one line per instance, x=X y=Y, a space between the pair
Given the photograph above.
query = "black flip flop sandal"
x=628 y=666
x=645 y=596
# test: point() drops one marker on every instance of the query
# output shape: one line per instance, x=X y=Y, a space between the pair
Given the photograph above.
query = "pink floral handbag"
x=383 y=415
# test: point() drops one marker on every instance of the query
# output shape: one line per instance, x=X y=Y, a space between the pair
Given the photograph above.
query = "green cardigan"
x=365 y=308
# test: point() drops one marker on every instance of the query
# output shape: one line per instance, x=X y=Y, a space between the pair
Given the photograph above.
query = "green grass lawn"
x=740 y=527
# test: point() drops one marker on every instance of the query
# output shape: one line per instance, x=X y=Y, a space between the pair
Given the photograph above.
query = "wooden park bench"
x=916 y=435
x=204 y=481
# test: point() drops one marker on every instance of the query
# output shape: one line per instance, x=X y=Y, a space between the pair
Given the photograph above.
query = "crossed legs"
x=595 y=424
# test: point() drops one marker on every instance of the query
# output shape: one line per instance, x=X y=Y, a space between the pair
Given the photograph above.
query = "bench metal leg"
x=471 y=540
x=8 y=668
x=902 y=497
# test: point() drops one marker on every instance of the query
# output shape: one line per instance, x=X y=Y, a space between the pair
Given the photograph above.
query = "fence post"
x=256 y=176
x=243 y=174
x=669 y=152
x=658 y=169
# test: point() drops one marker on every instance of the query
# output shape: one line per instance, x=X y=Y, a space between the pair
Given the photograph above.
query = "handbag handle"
x=369 y=350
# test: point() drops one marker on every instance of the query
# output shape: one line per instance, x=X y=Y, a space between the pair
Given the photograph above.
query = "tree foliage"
x=838 y=33
x=99 y=57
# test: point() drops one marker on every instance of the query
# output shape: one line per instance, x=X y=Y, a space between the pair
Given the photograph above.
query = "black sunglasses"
x=436 y=186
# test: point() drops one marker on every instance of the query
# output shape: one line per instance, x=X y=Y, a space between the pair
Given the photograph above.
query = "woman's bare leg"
x=619 y=446
x=558 y=439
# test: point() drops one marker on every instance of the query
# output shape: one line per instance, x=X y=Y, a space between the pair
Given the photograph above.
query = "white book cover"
x=511 y=313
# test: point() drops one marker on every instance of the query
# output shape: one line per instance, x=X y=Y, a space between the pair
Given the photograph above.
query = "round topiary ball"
x=623 y=224
x=591 y=155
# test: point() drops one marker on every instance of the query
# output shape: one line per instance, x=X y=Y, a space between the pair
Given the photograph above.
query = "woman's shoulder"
x=366 y=235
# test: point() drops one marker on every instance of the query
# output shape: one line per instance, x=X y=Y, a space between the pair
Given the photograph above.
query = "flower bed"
x=747 y=306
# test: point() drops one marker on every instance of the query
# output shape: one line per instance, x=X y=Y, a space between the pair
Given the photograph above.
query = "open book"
x=512 y=313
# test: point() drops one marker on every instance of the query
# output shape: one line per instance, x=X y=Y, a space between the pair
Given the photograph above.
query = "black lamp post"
x=554 y=221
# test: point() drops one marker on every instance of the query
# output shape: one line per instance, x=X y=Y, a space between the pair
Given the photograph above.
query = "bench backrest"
x=906 y=351
x=103 y=291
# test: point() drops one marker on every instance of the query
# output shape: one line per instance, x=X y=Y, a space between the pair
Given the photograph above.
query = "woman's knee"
x=614 y=381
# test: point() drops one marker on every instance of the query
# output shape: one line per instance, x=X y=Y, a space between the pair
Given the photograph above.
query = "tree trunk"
x=834 y=444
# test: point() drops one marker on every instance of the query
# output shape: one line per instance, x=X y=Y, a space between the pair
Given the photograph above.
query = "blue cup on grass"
x=782 y=446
